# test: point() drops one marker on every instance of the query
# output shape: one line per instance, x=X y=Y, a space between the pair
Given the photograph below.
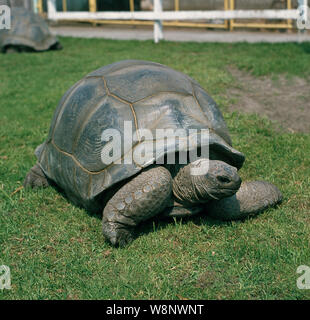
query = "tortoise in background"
x=149 y=96
x=29 y=32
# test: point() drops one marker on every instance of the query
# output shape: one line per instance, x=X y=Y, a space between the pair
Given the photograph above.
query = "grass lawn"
x=56 y=250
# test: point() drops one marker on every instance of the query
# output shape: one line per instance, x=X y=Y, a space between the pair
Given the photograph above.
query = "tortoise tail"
x=253 y=197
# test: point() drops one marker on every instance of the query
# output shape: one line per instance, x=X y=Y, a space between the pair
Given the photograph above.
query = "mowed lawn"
x=56 y=250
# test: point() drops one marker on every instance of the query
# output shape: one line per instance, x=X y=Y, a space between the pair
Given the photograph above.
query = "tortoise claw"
x=35 y=178
x=116 y=234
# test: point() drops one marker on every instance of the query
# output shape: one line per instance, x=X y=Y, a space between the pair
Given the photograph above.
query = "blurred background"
x=40 y=6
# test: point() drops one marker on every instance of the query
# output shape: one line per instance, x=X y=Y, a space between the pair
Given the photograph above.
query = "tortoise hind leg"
x=35 y=178
x=143 y=197
x=11 y=49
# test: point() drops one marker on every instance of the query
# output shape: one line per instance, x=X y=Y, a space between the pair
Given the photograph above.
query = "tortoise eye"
x=223 y=179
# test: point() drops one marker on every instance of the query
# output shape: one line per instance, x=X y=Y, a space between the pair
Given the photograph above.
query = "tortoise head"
x=214 y=179
x=204 y=180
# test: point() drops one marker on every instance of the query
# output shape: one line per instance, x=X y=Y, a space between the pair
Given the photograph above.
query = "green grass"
x=56 y=250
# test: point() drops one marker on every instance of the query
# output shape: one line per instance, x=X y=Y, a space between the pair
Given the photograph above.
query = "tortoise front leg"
x=143 y=197
x=35 y=178
x=253 y=197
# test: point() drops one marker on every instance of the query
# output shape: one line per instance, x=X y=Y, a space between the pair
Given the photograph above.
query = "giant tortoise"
x=28 y=32
x=142 y=99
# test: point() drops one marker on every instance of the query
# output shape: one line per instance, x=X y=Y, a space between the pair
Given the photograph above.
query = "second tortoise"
x=28 y=32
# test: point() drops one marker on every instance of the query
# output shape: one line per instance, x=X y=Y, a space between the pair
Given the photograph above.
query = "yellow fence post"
x=40 y=6
x=231 y=21
x=64 y=5
x=226 y=7
x=176 y=5
x=92 y=8
x=131 y=6
x=92 y=5
x=289 y=7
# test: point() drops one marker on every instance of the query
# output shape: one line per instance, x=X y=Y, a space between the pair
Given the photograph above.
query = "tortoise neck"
x=189 y=189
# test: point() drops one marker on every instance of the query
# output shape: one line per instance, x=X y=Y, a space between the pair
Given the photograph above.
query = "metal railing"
x=284 y=25
x=176 y=23
x=160 y=18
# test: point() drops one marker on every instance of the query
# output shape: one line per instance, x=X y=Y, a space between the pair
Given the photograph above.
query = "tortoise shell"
x=146 y=94
x=28 y=30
